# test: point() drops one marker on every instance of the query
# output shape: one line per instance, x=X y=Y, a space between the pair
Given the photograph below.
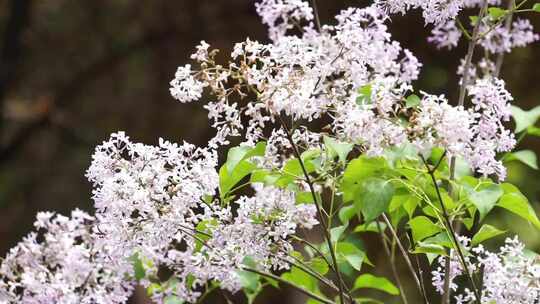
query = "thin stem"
x=316 y=250
x=420 y=272
x=507 y=25
x=318 y=207
x=305 y=268
x=300 y=289
x=461 y=101
x=493 y=27
x=391 y=256
x=463 y=29
x=453 y=235
x=316 y=13
x=405 y=255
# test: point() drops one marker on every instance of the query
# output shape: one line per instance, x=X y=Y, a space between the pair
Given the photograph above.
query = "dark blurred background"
x=72 y=72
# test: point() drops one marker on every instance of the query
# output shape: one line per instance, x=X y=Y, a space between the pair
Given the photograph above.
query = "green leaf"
x=364 y=95
x=294 y=167
x=336 y=232
x=485 y=198
x=485 y=233
x=172 y=300
x=336 y=148
x=527 y=157
x=367 y=301
x=227 y=180
x=373 y=282
x=138 y=267
x=428 y=248
x=536 y=7
x=302 y=279
x=360 y=169
x=525 y=119
x=532 y=130
x=237 y=154
x=371 y=227
x=518 y=204
x=346 y=213
x=422 y=227
x=412 y=101
x=441 y=239
x=496 y=12
x=249 y=280
x=373 y=197
x=351 y=254
x=319 y=265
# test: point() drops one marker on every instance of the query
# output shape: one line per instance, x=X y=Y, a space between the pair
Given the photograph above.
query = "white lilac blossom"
x=494 y=38
x=508 y=276
x=328 y=74
x=445 y=35
x=433 y=11
x=283 y=15
x=491 y=108
x=476 y=134
x=153 y=200
x=315 y=75
x=184 y=86
x=162 y=204
x=440 y=124
x=61 y=263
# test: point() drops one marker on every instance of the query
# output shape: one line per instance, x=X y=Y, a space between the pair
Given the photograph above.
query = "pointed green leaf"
x=337 y=232
x=339 y=149
x=422 y=227
x=412 y=101
x=237 y=154
x=524 y=119
x=485 y=198
x=496 y=12
x=527 y=157
x=364 y=95
x=351 y=254
x=371 y=227
x=485 y=233
x=373 y=282
x=373 y=197
x=518 y=204
x=346 y=213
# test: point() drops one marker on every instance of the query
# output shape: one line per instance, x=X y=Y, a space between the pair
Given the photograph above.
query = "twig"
x=316 y=13
x=406 y=257
x=453 y=235
x=507 y=25
x=461 y=101
x=392 y=264
x=319 y=207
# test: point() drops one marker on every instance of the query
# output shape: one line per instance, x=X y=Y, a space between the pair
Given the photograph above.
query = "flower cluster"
x=165 y=207
x=509 y=276
x=62 y=263
x=158 y=202
x=283 y=15
x=494 y=36
x=355 y=75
